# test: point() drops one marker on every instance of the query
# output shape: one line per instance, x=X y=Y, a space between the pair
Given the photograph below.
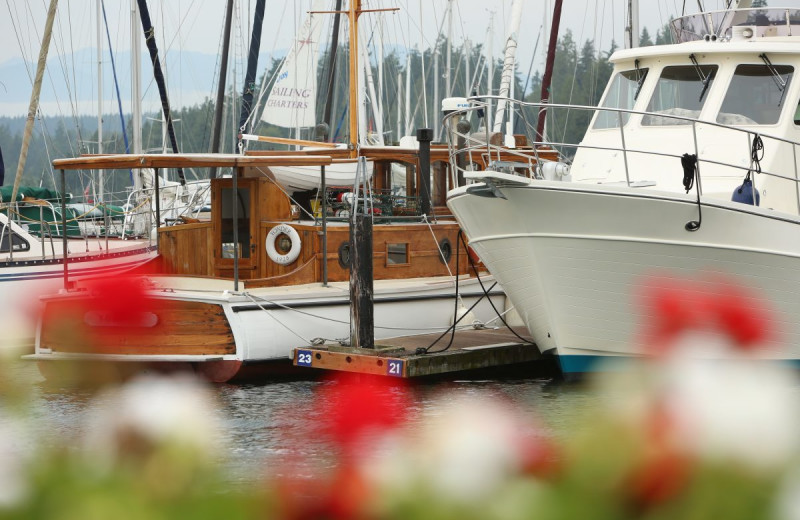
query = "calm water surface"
x=264 y=421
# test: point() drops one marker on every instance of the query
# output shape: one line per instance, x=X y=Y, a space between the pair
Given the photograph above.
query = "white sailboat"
x=573 y=257
x=34 y=264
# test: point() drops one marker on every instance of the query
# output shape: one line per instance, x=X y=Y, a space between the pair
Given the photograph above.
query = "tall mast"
x=633 y=24
x=507 y=77
x=33 y=107
x=448 y=84
x=490 y=67
x=548 y=70
x=252 y=64
x=326 y=116
x=354 y=10
x=99 y=15
x=150 y=33
x=223 y=75
x=136 y=81
x=435 y=76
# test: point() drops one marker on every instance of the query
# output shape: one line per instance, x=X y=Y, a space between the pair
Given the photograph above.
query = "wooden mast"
x=353 y=12
x=548 y=71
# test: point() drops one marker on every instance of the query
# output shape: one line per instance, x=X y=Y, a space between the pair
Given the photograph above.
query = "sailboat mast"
x=98 y=16
x=326 y=117
x=252 y=64
x=33 y=107
x=223 y=75
x=354 y=10
x=633 y=24
x=507 y=77
x=150 y=34
x=136 y=81
x=548 y=70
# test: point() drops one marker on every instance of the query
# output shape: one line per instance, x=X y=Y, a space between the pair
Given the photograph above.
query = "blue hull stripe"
x=575 y=365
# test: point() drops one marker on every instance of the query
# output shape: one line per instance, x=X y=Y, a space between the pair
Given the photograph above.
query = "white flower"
x=14 y=456
x=156 y=410
x=464 y=454
x=734 y=409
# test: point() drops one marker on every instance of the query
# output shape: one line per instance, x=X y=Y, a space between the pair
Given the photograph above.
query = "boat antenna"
x=150 y=40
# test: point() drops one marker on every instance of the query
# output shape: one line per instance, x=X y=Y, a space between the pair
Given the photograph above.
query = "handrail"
x=625 y=117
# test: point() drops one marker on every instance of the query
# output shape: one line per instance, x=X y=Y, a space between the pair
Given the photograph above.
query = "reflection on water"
x=263 y=422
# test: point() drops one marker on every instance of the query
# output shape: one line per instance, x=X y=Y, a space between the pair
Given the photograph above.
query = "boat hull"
x=225 y=336
x=26 y=279
x=575 y=260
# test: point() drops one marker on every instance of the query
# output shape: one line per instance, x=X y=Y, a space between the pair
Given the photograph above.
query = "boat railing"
x=729 y=24
x=464 y=145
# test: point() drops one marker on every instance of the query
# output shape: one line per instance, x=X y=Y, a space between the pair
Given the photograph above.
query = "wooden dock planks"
x=471 y=350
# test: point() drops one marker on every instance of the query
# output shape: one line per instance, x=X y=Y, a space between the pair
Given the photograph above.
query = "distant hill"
x=191 y=77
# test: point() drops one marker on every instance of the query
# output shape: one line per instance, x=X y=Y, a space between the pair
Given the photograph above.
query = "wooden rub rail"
x=472 y=350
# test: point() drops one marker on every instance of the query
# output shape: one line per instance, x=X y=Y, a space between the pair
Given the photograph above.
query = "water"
x=262 y=422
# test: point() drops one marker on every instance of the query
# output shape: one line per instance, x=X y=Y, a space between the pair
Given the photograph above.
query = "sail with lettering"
x=292 y=100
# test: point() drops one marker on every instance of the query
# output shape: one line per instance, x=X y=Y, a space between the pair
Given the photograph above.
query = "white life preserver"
x=294 y=251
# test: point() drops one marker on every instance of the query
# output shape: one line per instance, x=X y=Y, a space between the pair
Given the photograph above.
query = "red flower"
x=664 y=470
x=353 y=406
x=677 y=307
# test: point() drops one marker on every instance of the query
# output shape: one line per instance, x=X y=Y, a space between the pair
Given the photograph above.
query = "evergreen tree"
x=644 y=38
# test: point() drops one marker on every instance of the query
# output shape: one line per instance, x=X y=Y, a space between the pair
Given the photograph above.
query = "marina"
x=506 y=307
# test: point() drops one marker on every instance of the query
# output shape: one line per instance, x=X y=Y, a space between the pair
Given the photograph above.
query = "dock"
x=472 y=352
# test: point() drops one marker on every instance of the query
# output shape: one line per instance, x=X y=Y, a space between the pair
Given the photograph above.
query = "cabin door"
x=226 y=245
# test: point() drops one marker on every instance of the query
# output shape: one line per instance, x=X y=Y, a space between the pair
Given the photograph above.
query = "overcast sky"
x=196 y=25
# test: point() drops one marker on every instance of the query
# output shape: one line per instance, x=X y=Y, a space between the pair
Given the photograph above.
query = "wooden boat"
x=229 y=306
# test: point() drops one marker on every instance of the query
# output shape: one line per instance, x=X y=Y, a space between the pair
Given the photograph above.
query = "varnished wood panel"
x=190 y=328
x=187 y=249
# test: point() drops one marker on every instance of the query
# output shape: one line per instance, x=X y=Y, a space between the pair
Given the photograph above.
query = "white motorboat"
x=685 y=138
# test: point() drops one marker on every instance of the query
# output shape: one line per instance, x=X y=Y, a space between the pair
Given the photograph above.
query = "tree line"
x=580 y=74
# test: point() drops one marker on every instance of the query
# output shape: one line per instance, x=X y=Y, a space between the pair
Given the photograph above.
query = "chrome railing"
x=468 y=144
x=713 y=25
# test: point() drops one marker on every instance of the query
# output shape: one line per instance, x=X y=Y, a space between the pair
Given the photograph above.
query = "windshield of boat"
x=680 y=91
x=755 y=95
x=622 y=93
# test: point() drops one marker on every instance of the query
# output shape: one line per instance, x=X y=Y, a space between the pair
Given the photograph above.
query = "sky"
x=187 y=30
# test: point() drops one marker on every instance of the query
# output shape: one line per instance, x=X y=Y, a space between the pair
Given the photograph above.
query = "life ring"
x=294 y=251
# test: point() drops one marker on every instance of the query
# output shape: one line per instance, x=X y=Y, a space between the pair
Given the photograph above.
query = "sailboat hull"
x=576 y=260
x=224 y=336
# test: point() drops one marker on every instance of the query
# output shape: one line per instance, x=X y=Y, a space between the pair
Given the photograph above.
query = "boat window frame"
x=406 y=247
x=770 y=78
x=602 y=114
x=711 y=71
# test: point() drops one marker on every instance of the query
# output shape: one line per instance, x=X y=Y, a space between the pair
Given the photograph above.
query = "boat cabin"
x=279 y=238
x=709 y=95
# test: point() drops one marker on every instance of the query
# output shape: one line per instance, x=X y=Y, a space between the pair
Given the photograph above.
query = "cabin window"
x=756 y=95
x=15 y=241
x=397 y=254
x=228 y=245
x=622 y=93
x=681 y=91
